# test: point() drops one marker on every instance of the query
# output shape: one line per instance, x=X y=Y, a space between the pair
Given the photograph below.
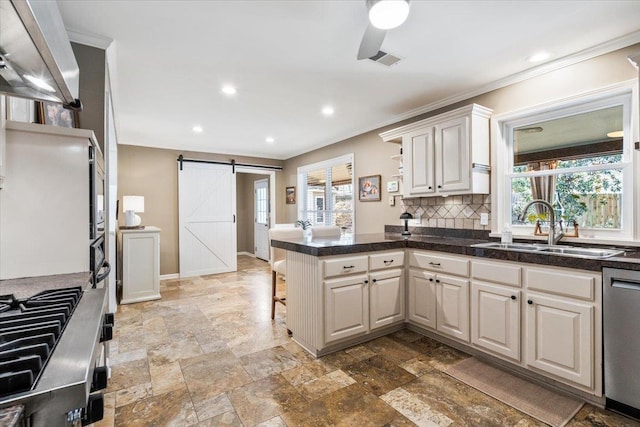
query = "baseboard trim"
x=169 y=276
x=247 y=254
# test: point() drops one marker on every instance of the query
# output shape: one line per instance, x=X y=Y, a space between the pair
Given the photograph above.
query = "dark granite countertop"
x=28 y=286
x=459 y=244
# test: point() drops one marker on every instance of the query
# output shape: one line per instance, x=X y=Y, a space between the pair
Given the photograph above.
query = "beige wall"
x=245 y=210
x=372 y=156
x=152 y=173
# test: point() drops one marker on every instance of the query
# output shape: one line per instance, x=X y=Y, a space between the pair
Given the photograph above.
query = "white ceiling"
x=290 y=58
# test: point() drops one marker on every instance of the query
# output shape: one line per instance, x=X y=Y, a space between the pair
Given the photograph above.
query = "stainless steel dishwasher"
x=621 y=334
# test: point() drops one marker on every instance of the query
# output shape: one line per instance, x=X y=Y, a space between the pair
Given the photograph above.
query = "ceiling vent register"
x=385 y=58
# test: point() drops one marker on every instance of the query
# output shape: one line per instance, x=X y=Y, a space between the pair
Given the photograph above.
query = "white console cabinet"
x=139 y=254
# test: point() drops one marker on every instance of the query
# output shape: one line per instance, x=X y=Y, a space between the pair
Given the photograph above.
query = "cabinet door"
x=453 y=307
x=386 y=291
x=140 y=265
x=452 y=155
x=560 y=338
x=346 y=307
x=495 y=319
x=418 y=159
x=422 y=298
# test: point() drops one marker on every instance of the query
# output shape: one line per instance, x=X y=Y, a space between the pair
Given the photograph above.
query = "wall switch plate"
x=484 y=219
x=392 y=200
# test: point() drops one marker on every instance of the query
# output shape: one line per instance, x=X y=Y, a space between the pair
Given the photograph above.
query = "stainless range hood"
x=36 y=59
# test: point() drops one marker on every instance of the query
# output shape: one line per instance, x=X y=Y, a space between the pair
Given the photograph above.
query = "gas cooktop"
x=51 y=354
x=29 y=330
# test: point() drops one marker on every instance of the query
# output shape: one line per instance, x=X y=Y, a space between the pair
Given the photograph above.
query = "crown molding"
x=93 y=40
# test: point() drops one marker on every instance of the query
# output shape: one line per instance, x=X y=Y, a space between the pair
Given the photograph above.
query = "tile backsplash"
x=462 y=212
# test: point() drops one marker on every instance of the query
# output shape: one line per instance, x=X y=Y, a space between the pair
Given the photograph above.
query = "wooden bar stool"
x=278 y=260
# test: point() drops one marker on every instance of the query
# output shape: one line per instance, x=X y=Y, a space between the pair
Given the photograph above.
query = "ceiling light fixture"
x=616 y=134
x=197 y=129
x=39 y=82
x=539 y=57
x=387 y=14
x=229 y=90
x=328 y=110
x=270 y=140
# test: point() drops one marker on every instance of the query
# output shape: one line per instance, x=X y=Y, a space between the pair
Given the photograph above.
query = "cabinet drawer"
x=436 y=262
x=386 y=260
x=497 y=273
x=567 y=283
x=345 y=265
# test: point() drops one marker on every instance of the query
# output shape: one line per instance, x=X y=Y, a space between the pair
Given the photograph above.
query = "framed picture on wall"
x=54 y=114
x=369 y=188
x=291 y=195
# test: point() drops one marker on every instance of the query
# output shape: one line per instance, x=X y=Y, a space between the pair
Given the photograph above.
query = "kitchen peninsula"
x=489 y=302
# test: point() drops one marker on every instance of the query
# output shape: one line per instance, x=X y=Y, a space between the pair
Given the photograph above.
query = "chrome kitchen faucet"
x=553 y=237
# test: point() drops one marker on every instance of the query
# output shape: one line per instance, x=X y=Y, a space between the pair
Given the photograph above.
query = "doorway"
x=261 y=218
x=255 y=201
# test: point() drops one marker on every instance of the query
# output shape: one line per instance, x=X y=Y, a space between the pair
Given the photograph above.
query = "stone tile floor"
x=208 y=354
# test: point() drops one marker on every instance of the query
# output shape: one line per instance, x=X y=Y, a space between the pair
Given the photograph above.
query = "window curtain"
x=543 y=187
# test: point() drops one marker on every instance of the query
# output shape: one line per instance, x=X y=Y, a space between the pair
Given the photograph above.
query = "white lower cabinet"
x=560 y=337
x=439 y=302
x=452 y=313
x=386 y=298
x=346 y=307
x=139 y=256
x=356 y=304
x=495 y=319
x=542 y=318
x=422 y=298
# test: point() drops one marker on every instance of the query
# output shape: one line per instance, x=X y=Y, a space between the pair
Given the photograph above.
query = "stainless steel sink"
x=571 y=251
x=582 y=252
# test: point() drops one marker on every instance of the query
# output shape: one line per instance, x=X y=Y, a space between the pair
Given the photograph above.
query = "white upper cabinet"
x=446 y=154
x=418 y=150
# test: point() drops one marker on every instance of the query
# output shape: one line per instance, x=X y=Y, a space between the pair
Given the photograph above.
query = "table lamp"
x=131 y=205
x=406 y=216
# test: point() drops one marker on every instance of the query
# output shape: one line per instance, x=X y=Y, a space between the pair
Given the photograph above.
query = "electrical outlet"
x=417 y=220
x=392 y=200
x=484 y=219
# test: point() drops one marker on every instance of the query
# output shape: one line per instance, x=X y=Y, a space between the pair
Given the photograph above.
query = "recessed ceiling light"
x=539 y=57
x=388 y=14
x=39 y=82
x=197 y=129
x=616 y=134
x=270 y=140
x=229 y=90
x=328 y=110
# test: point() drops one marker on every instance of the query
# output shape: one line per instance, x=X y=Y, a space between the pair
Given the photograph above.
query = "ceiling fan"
x=383 y=15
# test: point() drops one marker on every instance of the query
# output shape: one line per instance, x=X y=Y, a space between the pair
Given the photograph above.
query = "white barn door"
x=207 y=219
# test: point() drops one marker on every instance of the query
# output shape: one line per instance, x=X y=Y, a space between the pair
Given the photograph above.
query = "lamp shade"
x=133 y=203
x=406 y=215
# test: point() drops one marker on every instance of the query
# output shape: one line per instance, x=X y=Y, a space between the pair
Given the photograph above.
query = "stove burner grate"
x=29 y=331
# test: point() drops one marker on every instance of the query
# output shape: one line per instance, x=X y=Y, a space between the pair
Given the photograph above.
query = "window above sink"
x=577 y=155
